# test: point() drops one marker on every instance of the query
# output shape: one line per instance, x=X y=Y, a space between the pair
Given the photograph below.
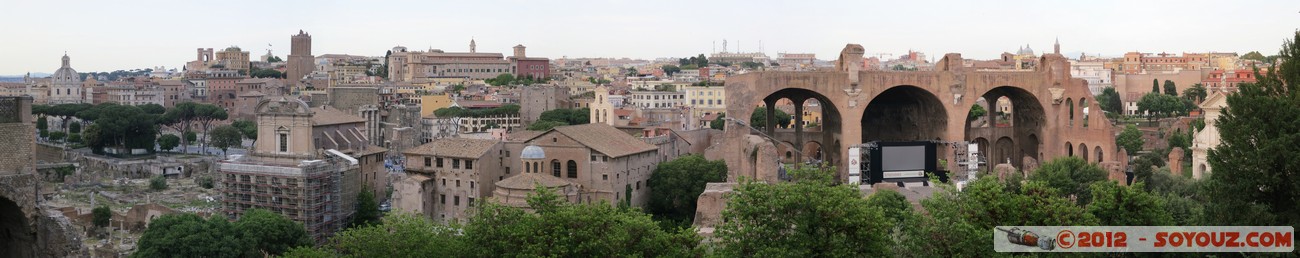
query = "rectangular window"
x=457 y=183
x=439 y=162
x=455 y=200
x=428 y=162
x=469 y=164
x=455 y=163
x=444 y=198
x=284 y=142
x=470 y=202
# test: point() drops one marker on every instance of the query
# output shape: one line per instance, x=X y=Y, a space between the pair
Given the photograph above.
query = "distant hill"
x=11 y=79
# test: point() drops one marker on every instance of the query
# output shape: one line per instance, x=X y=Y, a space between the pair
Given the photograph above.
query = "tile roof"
x=523 y=135
x=529 y=181
x=330 y=116
x=454 y=147
x=605 y=139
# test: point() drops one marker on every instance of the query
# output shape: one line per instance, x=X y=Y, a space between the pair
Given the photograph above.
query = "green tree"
x=701 y=61
x=1163 y=105
x=1170 y=89
x=503 y=79
x=274 y=59
x=123 y=126
x=976 y=111
x=759 y=118
x=188 y=235
x=74 y=138
x=751 y=65
x=247 y=128
x=1071 y=175
x=168 y=142
x=1130 y=139
x=57 y=136
x=399 y=235
x=101 y=215
x=1256 y=179
x=153 y=109
x=1155 y=86
x=271 y=233
x=895 y=206
x=1253 y=55
x=266 y=73
x=1196 y=93
x=544 y=125
x=804 y=218
x=224 y=137
x=567 y=116
x=205 y=182
x=1116 y=205
x=42 y=124
x=205 y=115
x=1109 y=101
x=560 y=229
x=677 y=184
x=181 y=118
x=367 y=209
x=671 y=69
x=158 y=183
x=718 y=123
x=74 y=128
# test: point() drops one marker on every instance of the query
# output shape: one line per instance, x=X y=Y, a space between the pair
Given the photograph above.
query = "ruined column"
x=770 y=126
x=798 y=130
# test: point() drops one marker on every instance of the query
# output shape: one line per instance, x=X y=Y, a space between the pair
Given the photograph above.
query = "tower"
x=1056 y=48
x=473 y=48
x=300 y=62
x=519 y=51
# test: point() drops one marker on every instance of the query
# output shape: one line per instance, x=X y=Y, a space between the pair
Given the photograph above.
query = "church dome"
x=1026 y=51
x=532 y=152
x=66 y=74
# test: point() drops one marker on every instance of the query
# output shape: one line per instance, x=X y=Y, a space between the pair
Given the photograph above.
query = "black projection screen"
x=902 y=158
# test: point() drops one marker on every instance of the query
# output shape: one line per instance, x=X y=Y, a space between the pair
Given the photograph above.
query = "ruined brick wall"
x=350 y=99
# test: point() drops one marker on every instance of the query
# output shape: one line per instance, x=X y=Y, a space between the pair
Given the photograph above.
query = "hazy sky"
x=111 y=35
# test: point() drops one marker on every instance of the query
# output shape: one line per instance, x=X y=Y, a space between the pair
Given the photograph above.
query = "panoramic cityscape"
x=619 y=129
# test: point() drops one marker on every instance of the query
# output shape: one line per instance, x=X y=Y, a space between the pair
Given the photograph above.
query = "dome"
x=532 y=152
x=66 y=74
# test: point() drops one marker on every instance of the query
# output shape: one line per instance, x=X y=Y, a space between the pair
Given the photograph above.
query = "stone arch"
x=1026 y=121
x=1004 y=151
x=904 y=113
x=812 y=150
x=555 y=168
x=1083 y=107
x=830 y=119
x=1083 y=151
x=1098 y=151
x=17 y=238
x=1069 y=149
x=1069 y=104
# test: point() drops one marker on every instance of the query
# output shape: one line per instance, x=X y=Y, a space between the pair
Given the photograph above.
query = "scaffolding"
x=310 y=192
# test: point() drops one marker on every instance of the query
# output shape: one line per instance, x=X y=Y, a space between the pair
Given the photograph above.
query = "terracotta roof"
x=330 y=116
x=477 y=104
x=254 y=80
x=529 y=181
x=605 y=139
x=523 y=135
x=454 y=147
x=622 y=112
x=253 y=93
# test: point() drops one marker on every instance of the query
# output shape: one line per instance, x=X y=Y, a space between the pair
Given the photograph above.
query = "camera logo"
x=1026 y=238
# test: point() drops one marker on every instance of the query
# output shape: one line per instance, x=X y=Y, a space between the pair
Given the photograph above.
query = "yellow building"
x=429 y=103
x=705 y=100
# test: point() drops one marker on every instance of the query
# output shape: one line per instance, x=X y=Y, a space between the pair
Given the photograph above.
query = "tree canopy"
x=504 y=110
x=188 y=235
x=1256 y=179
x=224 y=137
x=1109 y=101
x=1170 y=89
x=805 y=218
x=677 y=184
x=1130 y=139
x=1071 y=175
x=1164 y=105
x=271 y=233
x=759 y=118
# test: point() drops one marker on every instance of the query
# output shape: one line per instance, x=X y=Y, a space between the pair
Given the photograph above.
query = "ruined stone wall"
x=49 y=153
x=350 y=99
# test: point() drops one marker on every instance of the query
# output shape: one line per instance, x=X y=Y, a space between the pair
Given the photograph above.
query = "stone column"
x=798 y=130
x=770 y=125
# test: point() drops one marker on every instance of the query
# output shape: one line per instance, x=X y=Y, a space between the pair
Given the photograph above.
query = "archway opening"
x=1083 y=151
x=1098 y=151
x=16 y=237
x=1015 y=114
x=904 y=113
x=1069 y=149
x=812 y=118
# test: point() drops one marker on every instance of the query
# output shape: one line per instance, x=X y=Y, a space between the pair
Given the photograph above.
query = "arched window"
x=555 y=168
x=1083 y=106
x=1069 y=149
x=1098 y=148
x=1070 y=104
x=535 y=168
x=573 y=169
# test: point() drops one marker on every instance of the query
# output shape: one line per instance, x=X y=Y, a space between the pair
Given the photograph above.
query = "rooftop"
x=454 y=147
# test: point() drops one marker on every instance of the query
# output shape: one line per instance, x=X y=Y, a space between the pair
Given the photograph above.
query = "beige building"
x=603 y=162
x=65 y=85
x=447 y=176
x=234 y=59
x=309 y=165
x=705 y=100
x=406 y=65
x=1207 y=138
x=602 y=110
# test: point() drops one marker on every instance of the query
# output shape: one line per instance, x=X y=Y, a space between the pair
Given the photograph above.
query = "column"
x=770 y=125
x=798 y=129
